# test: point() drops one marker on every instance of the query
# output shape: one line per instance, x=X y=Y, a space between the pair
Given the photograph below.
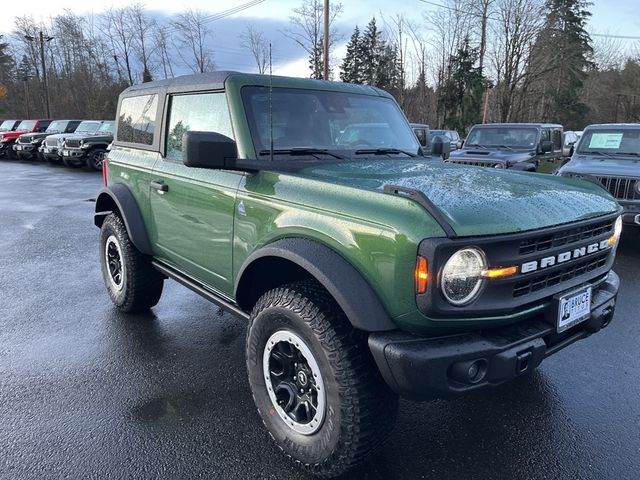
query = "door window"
x=206 y=112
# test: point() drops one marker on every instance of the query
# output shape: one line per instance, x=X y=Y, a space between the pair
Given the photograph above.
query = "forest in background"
x=506 y=60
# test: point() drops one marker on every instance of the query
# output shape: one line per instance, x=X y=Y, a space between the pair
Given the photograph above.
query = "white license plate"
x=65 y=153
x=47 y=150
x=573 y=308
x=18 y=147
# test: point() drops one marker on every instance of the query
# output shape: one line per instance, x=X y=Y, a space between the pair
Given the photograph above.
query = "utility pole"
x=45 y=86
x=325 y=53
x=486 y=105
x=26 y=95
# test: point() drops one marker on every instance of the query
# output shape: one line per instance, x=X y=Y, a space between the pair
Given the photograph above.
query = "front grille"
x=565 y=237
x=540 y=282
x=72 y=143
x=23 y=141
x=51 y=142
x=474 y=163
x=621 y=188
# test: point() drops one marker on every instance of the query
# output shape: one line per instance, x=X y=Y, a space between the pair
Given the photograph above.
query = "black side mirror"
x=441 y=147
x=546 y=146
x=208 y=150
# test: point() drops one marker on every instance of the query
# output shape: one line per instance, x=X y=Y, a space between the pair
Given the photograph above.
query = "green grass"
x=548 y=166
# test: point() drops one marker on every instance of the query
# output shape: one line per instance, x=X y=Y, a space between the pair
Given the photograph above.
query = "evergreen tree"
x=370 y=53
x=564 y=48
x=351 y=64
x=461 y=95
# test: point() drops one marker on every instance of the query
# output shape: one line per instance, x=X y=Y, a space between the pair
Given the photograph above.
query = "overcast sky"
x=616 y=17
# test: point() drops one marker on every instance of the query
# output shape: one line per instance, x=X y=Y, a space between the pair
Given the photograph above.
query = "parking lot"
x=88 y=392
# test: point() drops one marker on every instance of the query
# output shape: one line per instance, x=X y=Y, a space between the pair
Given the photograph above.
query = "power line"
x=220 y=15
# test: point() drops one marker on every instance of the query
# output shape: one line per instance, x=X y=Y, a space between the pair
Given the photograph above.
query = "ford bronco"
x=519 y=146
x=365 y=271
x=609 y=155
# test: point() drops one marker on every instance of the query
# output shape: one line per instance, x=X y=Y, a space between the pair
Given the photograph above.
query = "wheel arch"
x=292 y=259
x=118 y=199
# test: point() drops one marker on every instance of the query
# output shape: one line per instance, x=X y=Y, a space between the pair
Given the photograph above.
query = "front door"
x=193 y=208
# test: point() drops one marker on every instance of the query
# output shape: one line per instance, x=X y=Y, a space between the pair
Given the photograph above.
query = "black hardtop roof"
x=515 y=125
x=217 y=80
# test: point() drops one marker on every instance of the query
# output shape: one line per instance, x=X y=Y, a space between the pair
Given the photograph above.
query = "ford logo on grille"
x=563 y=257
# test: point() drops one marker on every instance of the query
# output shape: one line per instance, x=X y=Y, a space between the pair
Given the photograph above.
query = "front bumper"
x=423 y=368
x=25 y=149
x=76 y=153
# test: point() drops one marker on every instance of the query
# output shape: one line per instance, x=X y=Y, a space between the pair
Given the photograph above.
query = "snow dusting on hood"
x=476 y=200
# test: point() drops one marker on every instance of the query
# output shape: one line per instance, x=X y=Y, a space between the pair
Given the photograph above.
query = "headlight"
x=462 y=276
x=60 y=141
x=498 y=165
x=617 y=231
x=35 y=140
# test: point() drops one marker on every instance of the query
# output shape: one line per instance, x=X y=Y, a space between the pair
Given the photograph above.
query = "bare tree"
x=514 y=34
x=306 y=31
x=193 y=32
x=161 y=39
x=115 y=23
x=141 y=27
x=253 y=40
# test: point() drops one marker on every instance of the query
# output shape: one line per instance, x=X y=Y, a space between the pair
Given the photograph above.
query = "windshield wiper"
x=383 y=151
x=474 y=145
x=505 y=146
x=635 y=154
x=302 y=151
x=595 y=152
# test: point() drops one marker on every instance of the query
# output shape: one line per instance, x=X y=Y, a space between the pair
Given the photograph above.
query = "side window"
x=43 y=126
x=71 y=127
x=137 y=120
x=546 y=134
x=199 y=112
x=557 y=139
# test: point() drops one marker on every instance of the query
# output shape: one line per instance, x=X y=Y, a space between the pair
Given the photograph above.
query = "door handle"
x=161 y=187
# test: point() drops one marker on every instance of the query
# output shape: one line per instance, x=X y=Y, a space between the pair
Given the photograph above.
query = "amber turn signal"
x=422 y=275
x=499 y=272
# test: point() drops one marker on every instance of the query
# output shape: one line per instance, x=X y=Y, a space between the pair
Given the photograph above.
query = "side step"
x=198 y=288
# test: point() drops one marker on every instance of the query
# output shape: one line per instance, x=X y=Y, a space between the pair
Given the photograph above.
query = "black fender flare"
x=344 y=283
x=126 y=204
x=524 y=167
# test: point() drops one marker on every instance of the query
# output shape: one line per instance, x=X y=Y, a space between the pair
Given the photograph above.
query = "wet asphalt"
x=87 y=392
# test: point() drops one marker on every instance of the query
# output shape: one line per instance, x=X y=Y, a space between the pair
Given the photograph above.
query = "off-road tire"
x=11 y=155
x=95 y=158
x=141 y=284
x=360 y=408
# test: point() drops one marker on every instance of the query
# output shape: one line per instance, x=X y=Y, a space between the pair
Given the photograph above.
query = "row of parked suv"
x=76 y=143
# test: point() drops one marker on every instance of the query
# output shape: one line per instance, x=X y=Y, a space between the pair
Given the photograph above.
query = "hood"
x=491 y=155
x=86 y=136
x=476 y=200
x=13 y=134
x=27 y=137
x=602 y=166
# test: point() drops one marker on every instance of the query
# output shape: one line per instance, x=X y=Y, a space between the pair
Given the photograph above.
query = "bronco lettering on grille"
x=563 y=257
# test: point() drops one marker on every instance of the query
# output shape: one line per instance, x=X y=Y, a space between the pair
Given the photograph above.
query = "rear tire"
x=132 y=282
x=345 y=410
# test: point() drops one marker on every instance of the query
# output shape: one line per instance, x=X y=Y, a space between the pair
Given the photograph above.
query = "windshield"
x=502 y=136
x=56 y=127
x=106 y=127
x=611 y=142
x=323 y=120
x=7 y=125
x=26 y=125
x=87 y=127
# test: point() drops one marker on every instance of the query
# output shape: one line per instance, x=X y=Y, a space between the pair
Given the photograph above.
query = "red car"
x=8 y=138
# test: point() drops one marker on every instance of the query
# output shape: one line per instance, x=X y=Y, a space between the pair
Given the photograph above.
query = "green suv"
x=366 y=271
